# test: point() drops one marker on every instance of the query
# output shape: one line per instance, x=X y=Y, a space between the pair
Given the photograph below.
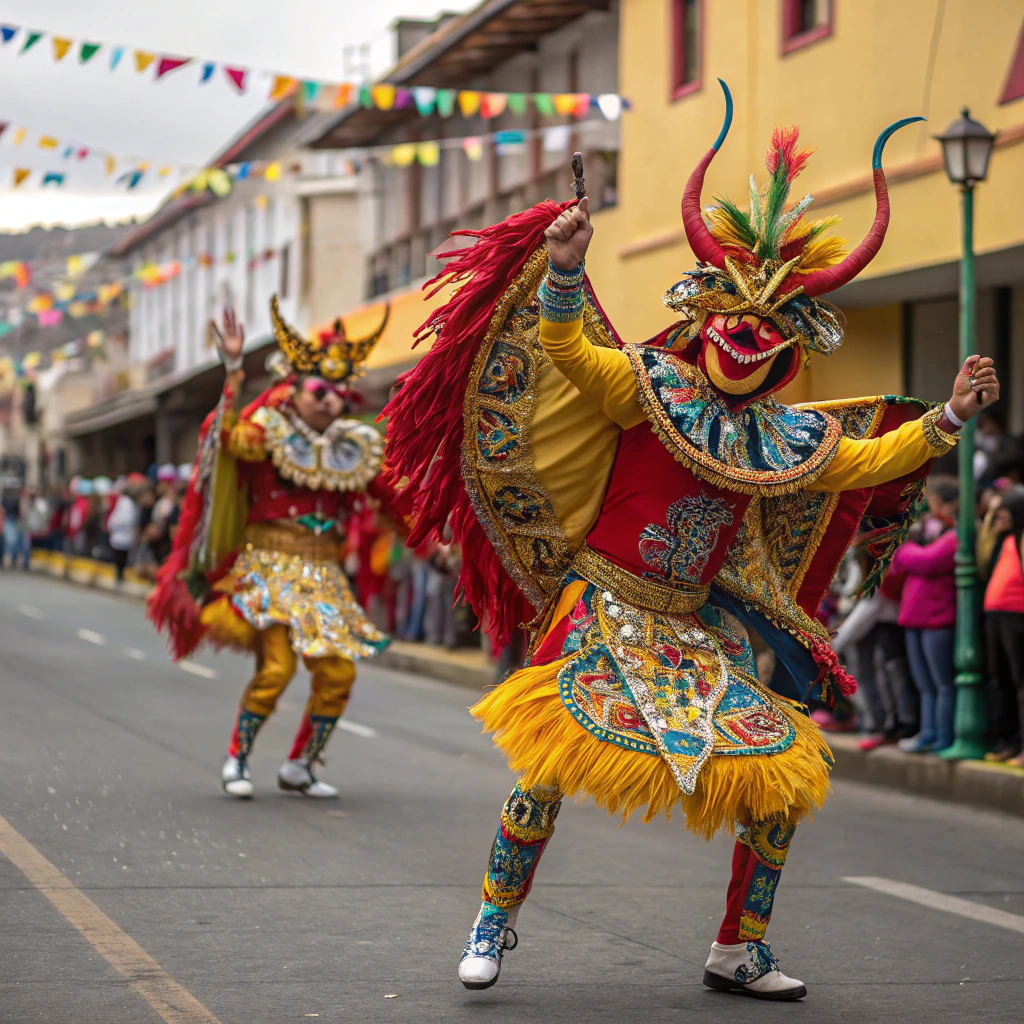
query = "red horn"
x=703 y=244
x=821 y=281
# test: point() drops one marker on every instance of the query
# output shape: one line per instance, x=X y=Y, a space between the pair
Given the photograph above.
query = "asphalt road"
x=287 y=909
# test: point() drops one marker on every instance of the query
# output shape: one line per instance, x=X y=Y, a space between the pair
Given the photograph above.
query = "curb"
x=978 y=783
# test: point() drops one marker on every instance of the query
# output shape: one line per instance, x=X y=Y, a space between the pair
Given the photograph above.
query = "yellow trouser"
x=276 y=662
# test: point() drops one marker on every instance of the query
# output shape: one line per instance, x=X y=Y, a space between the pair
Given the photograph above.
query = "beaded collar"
x=765 y=448
x=345 y=457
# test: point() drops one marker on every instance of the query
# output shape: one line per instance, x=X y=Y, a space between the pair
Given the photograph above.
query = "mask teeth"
x=744 y=357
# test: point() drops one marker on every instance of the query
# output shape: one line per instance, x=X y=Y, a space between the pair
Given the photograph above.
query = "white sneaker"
x=492 y=935
x=296 y=777
x=750 y=968
x=235 y=779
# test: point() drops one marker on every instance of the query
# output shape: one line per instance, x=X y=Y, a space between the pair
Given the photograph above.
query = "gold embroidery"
x=675 y=600
x=939 y=441
x=345 y=457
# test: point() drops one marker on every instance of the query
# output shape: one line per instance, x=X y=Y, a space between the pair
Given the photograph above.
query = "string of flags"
x=12 y=370
x=321 y=95
x=324 y=163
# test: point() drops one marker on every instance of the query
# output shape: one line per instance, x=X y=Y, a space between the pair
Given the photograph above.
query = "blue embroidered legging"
x=757 y=862
x=527 y=822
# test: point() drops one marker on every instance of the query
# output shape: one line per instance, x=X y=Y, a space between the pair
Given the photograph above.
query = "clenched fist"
x=569 y=236
x=976 y=386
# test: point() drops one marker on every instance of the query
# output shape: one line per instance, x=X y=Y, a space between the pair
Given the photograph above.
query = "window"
x=805 y=21
x=687 y=39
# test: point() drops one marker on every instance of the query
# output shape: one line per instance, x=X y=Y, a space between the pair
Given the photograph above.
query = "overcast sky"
x=174 y=121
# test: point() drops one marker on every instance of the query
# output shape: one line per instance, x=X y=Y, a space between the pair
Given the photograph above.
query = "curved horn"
x=822 y=281
x=703 y=244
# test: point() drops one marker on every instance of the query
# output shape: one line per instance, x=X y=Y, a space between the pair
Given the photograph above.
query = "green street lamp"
x=966 y=148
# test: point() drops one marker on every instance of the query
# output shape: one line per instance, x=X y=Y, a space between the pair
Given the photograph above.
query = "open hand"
x=976 y=386
x=569 y=236
x=229 y=342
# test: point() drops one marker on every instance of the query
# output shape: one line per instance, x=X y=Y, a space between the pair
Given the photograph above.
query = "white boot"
x=488 y=939
x=235 y=779
x=750 y=968
x=296 y=776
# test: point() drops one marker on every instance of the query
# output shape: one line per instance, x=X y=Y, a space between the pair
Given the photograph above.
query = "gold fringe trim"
x=547 y=747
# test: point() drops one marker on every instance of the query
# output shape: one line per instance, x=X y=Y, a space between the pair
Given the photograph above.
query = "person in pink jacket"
x=928 y=614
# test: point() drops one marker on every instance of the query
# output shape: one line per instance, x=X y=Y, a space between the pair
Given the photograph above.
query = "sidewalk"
x=977 y=783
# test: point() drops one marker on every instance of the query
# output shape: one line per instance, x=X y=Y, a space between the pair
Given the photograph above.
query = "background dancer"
x=255 y=560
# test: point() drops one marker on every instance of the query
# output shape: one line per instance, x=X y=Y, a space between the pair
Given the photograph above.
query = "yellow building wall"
x=883 y=61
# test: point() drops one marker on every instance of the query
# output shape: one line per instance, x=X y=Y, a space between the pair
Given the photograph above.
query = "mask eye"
x=765 y=331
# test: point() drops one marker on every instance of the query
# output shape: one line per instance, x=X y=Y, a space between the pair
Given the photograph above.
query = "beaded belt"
x=292 y=539
x=655 y=597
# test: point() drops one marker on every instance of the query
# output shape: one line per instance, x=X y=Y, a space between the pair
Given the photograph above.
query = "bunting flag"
x=48 y=142
x=61 y=47
x=53 y=178
x=33 y=38
x=19 y=136
x=237 y=77
x=283 y=86
x=171 y=64
x=20 y=174
x=143 y=60
x=115 y=57
x=8 y=32
x=3 y=126
x=469 y=102
x=383 y=96
x=88 y=51
x=208 y=70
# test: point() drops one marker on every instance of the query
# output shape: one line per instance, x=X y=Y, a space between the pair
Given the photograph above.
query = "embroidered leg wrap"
x=757 y=861
x=246 y=726
x=321 y=727
x=527 y=821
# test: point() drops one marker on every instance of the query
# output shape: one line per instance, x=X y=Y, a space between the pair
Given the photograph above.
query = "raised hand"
x=569 y=236
x=976 y=386
x=230 y=341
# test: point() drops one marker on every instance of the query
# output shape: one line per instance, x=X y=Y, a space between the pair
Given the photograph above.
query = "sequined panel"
x=311 y=597
x=679 y=551
x=677 y=686
x=765 y=448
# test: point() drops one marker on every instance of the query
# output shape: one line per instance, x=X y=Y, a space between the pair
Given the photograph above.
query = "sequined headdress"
x=332 y=355
x=773 y=261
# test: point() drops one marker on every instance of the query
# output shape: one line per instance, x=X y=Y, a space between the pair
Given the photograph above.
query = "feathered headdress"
x=774 y=261
x=332 y=355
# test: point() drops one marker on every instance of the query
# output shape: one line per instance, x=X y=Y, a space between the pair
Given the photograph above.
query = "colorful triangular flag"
x=469 y=102
x=208 y=69
x=171 y=64
x=143 y=60
x=8 y=32
x=309 y=91
x=283 y=86
x=20 y=174
x=19 y=136
x=115 y=57
x=384 y=97
x=3 y=127
x=237 y=77
x=47 y=142
x=109 y=163
x=33 y=38
x=425 y=97
x=446 y=102
x=343 y=96
x=517 y=102
x=61 y=47
x=53 y=178
x=87 y=52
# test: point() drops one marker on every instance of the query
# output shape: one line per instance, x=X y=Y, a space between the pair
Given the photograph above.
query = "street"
x=284 y=908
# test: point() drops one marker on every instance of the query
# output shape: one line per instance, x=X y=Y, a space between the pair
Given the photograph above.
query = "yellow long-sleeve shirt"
x=605 y=375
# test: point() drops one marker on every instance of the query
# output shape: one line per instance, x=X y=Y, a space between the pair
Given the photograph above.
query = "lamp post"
x=966 y=148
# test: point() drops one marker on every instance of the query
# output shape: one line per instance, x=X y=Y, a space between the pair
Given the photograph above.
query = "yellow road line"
x=144 y=975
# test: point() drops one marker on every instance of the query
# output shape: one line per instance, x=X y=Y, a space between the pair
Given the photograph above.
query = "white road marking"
x=135 y=654
x=940 y=901
x=197 y=670
x=92 y=638
x=359 y=730
x=30 y=611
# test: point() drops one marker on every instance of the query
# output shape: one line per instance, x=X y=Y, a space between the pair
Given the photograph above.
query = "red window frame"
x=1014 y=88
x=792 y=37
x=680 y=87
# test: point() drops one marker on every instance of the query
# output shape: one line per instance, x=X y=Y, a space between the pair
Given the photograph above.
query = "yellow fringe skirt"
x=547 y=746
